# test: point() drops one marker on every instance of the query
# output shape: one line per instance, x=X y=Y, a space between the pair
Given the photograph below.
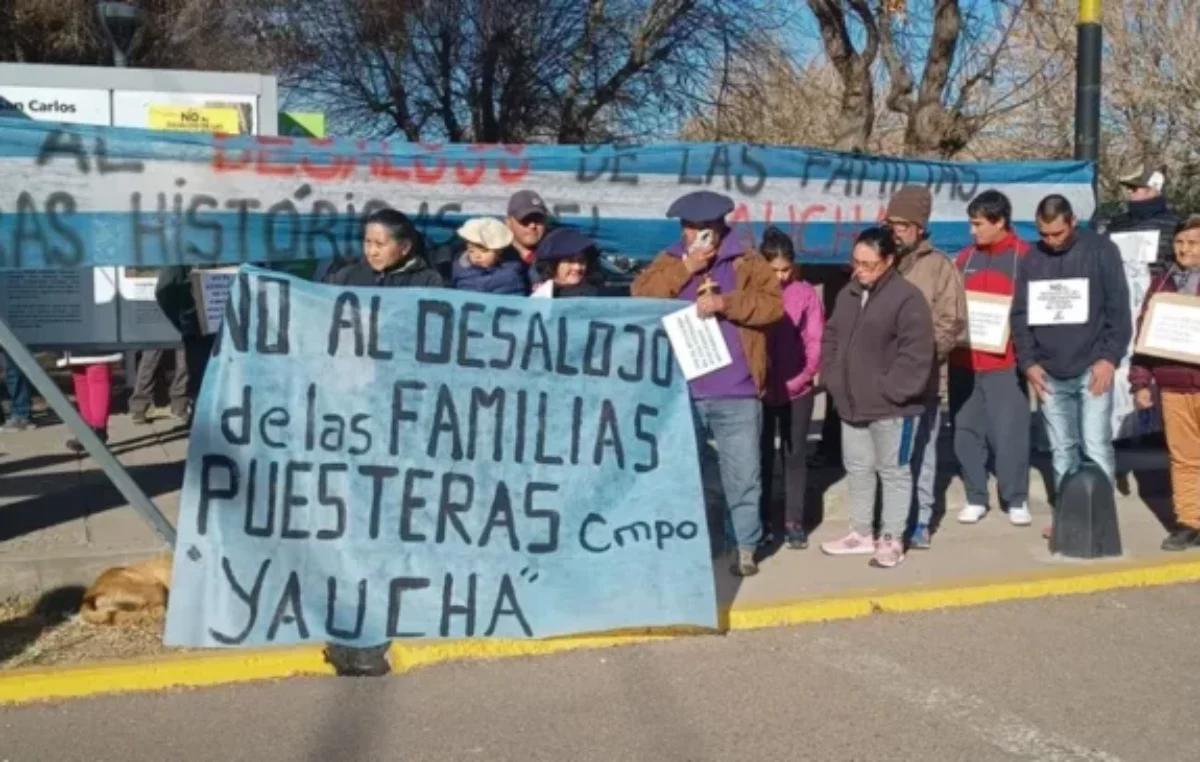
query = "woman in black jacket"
x=393 y=256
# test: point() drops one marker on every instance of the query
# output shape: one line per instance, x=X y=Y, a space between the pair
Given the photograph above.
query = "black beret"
x=562 y=243
x=701 y=206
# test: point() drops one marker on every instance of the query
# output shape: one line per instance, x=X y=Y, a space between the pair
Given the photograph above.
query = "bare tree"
x=963 y=53
x=853 y=66
x=49 y=31
x=175 y=34
x=966 y=82
x=1150 y=96
x=518 y=71
x=771 y=98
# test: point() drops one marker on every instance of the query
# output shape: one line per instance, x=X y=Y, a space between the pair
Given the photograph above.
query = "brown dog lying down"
x=126 y=594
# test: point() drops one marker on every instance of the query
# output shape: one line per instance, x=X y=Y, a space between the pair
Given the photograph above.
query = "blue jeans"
x=735 y=426
x=924 y=464
x=1078 y=425
x=18 y=390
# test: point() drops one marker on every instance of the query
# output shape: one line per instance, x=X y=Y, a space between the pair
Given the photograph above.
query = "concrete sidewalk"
x=62 y=523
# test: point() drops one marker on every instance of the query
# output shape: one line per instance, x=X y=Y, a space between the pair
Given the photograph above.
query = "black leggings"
x=791 y=422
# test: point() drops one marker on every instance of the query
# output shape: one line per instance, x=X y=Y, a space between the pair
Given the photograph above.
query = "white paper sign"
x=1139 y=246
x=1058 y=302
x=544 y=291
x=987 y=322
x=697 y=342
x=210 y=289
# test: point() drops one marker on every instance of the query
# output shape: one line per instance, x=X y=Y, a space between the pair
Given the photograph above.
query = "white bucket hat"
x=486 y=232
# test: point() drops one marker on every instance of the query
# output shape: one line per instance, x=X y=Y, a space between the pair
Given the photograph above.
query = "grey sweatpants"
x=879 y=449
x=991 y=413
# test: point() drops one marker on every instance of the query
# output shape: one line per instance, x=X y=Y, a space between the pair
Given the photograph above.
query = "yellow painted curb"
x=206 y=668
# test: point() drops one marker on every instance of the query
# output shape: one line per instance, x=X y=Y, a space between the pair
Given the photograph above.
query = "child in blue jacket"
x=487 y=265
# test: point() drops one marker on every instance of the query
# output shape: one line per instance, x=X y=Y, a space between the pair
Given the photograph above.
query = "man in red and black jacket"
x=988 y=397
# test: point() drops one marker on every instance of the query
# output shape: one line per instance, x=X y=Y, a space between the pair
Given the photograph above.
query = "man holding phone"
x=729 y=281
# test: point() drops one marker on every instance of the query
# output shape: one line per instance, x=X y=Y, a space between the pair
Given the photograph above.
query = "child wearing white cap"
x=485 y=265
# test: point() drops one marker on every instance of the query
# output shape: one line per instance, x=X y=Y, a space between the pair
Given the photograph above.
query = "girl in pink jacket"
x=794 y=344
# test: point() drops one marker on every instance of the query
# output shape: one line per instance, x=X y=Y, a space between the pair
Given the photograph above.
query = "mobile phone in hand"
x=703 y=241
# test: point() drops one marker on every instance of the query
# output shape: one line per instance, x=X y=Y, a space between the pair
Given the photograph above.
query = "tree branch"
x=901 y=86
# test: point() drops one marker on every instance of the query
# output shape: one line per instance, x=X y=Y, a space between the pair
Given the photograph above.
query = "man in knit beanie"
x=934 y=273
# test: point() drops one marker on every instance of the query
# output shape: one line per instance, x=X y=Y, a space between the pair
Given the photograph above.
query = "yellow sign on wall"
x=194 y=119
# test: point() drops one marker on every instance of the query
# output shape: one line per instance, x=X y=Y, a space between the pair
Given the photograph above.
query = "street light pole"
x=1090 y=40
x=119 y=21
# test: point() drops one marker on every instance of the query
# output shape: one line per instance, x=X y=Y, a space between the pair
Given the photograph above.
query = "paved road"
x=1089 y=679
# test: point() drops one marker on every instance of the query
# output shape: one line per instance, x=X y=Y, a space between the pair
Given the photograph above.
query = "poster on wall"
x=54 y=308
x=156 y=110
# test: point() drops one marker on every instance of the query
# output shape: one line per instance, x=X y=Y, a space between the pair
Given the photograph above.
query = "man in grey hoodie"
x=1071 y=327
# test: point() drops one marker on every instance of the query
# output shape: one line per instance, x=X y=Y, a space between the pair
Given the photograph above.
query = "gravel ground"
x=47 y=633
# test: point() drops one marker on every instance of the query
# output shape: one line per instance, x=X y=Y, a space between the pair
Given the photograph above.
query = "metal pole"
x=1090 y=38
x=66 y=411
x=119 y=60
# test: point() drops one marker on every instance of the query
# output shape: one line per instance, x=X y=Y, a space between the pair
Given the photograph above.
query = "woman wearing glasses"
x=876 y=361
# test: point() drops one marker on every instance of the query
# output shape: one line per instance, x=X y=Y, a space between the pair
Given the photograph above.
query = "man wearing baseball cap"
x=934 y=273
x=527 y=218
x=730 y=281
x=1146 y=211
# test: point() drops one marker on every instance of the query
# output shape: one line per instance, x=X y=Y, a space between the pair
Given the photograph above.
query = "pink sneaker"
x=888 y=552
x=853 y=544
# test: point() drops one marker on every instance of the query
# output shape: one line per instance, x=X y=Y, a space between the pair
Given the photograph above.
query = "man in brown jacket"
x=730 y=281
x=935 y=275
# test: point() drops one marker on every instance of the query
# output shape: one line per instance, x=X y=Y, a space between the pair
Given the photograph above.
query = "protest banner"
x=369 y=464
x=89 y=195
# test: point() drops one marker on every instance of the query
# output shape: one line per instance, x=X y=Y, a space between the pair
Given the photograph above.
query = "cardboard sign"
x=988 y=322
x=1171 y=328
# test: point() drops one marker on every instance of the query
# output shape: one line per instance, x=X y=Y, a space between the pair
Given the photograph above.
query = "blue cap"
x=562 y=243
x=701 y=206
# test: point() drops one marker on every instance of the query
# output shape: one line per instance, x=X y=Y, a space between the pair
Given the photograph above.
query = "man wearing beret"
x=730 y=281
x=934 y=273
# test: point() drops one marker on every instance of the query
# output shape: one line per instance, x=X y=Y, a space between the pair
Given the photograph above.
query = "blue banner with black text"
x=373 y=464
x=78 y=195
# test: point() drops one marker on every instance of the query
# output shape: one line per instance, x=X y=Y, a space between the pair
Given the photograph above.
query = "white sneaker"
x=972 y=514
x=1020 y=516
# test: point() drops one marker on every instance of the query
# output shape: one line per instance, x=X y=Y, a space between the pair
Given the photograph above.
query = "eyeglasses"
x=858 y=264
